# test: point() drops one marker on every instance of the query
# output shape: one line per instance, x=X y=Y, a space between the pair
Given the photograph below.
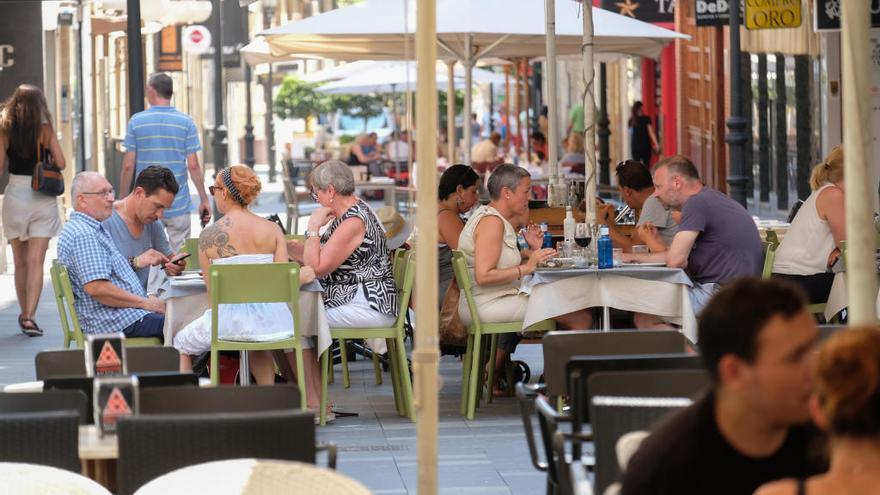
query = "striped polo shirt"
x=164 y=136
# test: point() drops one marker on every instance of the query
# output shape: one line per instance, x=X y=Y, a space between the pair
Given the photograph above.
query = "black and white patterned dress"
x=368 y=267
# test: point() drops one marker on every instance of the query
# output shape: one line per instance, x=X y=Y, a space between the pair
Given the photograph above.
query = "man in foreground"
x=757 y=340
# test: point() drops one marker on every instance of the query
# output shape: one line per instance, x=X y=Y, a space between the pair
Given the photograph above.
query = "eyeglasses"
x=214 y=189
x=110 y=193
x=313 y=195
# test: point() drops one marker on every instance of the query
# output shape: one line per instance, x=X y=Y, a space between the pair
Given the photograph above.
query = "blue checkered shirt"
x=87 y=250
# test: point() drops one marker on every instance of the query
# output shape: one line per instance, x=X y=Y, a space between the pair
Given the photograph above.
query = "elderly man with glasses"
x=108 y=295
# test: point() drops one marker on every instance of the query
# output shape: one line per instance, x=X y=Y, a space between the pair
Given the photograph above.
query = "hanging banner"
x=772 y=14
x=643 y=10
x=712 y=12
x=827 y=15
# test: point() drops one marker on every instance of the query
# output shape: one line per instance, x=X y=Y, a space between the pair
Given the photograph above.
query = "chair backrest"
x=289 y=191
x=71 y=362
x=548 y=423
x=559 y=347
x=465 y=285
x=769 y=258
x=254 y=283
x=295 y=237
x=620 y=403
x=191 y=246
x=50 y=438
x=404 y=284
x=151 y=445
x=64 y=300
x=222 y=399
x=50 y=400
x=580 y=368
x=398 y=266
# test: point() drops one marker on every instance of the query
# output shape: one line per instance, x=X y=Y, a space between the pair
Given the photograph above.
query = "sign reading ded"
x=772 y=14
x=196 y=39
x=713 y=12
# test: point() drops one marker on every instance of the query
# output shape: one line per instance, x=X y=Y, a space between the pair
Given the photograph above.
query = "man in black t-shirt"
x=757 y=340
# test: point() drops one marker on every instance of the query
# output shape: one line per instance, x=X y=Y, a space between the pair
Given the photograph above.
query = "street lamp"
x=249 y=125
x=736 y=137
x=219 y=138
x=268 y=13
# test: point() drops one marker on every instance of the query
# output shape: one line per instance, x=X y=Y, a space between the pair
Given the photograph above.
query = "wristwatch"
x=312 y=233
x=133 y=262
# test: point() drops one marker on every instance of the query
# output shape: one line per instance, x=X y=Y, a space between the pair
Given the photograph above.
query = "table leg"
x=244 y=370
x=606 y=318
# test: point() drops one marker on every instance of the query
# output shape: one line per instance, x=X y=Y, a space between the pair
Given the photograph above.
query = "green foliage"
x=298 y=99
x=441 y=100
x=360 y=106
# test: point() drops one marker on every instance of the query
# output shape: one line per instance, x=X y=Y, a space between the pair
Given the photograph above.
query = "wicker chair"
x=151 y=445
x=221 y=399
x=71 y=362
x=50 y=438
x=50 y=400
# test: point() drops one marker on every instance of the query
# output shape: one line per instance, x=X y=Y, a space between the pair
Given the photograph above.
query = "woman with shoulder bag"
x=30 y=218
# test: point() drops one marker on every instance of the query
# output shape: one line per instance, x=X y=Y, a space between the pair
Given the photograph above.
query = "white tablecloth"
x=186 y=299
x=651 y=290
x=837 y=299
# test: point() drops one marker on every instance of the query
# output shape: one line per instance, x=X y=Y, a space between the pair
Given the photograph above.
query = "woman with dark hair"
x=846 y=404
x=456 y=194
x=30 y=219
x=644 y=140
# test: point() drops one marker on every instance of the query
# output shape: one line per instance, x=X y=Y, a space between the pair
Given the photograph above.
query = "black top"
x=641 y=140
x=688 y=455
x=18 y=164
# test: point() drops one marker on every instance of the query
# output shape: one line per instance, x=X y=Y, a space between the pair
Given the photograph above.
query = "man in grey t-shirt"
x=655 y=226
x=136 y=229
x=717 y=240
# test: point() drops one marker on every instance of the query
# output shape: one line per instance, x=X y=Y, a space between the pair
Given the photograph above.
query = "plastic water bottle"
x=568 y=226
x=548 y=237
x=605 y=249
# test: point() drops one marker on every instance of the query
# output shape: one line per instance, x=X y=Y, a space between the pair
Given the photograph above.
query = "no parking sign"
x=196 y=39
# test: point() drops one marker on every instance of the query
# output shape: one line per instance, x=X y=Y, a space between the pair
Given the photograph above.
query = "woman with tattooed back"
x=241 y=237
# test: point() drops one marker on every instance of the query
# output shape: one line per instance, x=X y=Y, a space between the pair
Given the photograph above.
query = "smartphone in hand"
x=205 y=218
x=177 y=259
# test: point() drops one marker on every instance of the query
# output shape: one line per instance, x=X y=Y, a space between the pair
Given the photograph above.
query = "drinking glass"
x=582 y=235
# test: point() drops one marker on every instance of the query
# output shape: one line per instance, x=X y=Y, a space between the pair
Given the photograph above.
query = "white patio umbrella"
x=467 y=30
x=391 y=77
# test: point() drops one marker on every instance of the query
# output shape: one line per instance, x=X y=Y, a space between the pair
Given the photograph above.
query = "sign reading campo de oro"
x=772 y=14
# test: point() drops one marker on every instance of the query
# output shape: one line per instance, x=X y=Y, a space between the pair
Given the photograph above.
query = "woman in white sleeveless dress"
x=812 y=243
x=240 y=237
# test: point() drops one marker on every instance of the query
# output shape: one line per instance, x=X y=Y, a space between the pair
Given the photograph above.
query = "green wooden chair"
x=191 y=246
x=256 y=283
x=67 y=311
x=769 y=258
x=473 y=360
x=402 y=383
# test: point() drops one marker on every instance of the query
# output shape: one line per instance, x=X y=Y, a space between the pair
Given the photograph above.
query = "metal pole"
x=268 y=13
x=556 y=194
x=135 y=57
x=450 y=112
x=426 y=353
x=249 y=125
x=861 y=283
x=736 y=137
x=219 y=140
x=604 y=130
x=589 y=112
x=468 y=63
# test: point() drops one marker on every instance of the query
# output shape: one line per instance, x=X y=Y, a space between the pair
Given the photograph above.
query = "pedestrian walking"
x=30 y=218
x=165 y=136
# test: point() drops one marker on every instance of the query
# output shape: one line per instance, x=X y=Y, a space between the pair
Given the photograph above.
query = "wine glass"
x=582 y=235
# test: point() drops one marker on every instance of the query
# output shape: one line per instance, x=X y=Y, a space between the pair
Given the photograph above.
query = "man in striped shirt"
x=164 y=136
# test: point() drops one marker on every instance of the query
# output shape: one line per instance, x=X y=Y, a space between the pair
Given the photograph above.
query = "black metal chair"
x=50 y=438
x=151 y=445
x=623 y=402
x=559 y=347
x=52 y=400
x=72 y=362
x=222 y=399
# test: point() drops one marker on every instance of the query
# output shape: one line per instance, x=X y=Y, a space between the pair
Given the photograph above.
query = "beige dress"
x=497 y=303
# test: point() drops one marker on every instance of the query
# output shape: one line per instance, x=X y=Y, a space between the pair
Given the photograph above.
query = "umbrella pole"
x=468 y=63
x=528 y=104
x=507 y=108
x=555 y=189
x=861 y=273
x=518 y=140
x=426 y=354
x=589 y=113
x=450 y=112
